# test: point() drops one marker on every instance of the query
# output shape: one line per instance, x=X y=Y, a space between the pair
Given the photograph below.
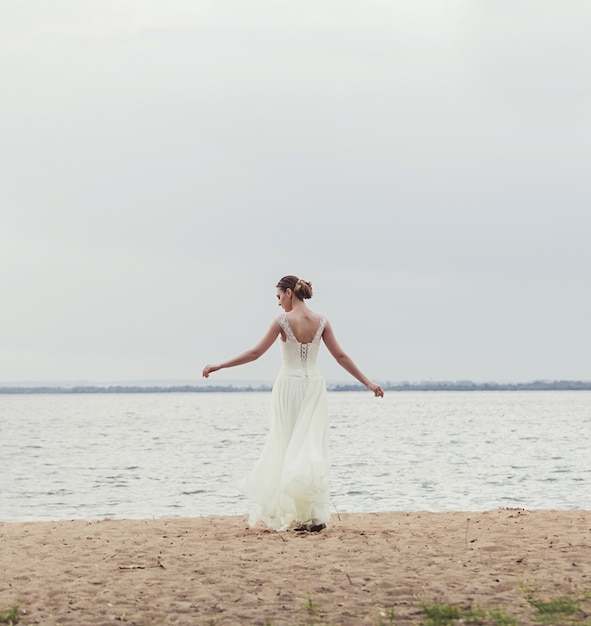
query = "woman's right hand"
x=209 y=369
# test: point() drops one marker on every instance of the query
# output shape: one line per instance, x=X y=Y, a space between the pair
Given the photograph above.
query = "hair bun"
x=303 y=289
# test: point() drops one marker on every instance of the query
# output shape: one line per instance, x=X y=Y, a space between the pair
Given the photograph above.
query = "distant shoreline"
x=539 y=385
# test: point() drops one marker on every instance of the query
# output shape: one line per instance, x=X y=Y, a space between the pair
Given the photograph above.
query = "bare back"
x=304 y=325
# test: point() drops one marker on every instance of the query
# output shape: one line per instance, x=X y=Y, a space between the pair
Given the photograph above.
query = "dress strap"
x=321 y=327
x=284 y=323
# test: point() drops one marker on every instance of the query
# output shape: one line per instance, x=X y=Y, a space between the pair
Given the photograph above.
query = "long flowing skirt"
x=288 y=486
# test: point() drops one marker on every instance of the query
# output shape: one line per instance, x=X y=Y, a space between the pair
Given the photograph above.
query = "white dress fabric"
x=289 y=484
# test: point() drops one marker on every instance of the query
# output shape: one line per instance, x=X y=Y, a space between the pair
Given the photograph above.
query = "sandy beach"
x=363 y=569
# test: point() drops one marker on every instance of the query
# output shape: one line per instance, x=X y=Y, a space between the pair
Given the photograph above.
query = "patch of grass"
x=449 y=614
x=310 y=606
x=565 y=608
x=500 y=618
x=10 y=616
x=565 y=604
x=440 y=614
x=560 y=609
x=474 y=615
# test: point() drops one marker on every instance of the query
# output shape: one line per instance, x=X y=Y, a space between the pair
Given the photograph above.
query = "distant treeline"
x=467 y=385
x=537 y=385
x=131 y=389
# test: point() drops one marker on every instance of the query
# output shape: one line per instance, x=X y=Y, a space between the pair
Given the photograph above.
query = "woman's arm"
x=250 y=355
x=345 y=361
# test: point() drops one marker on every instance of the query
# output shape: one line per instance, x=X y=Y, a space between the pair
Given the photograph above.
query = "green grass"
x=10 y=616
x=565 y=605
x=439 y=614
x=500 y=618
x=565 y=609
x=310 y=606
x=448 y=614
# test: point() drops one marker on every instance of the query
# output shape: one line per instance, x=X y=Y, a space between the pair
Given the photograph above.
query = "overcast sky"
x=425 y=164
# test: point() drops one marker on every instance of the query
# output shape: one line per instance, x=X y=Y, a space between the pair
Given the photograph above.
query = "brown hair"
x=301 y=288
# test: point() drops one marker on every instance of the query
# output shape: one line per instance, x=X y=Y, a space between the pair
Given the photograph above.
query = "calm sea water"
x=182 y=454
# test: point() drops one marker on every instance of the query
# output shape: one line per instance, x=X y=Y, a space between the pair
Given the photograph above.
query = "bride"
x=288 y=486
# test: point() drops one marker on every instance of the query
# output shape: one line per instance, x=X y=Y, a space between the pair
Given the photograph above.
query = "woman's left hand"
x=378 y=392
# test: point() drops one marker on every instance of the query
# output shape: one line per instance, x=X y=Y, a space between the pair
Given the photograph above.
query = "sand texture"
x=217 y=571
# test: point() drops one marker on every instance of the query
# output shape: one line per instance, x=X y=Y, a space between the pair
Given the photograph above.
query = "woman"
x=289 y=483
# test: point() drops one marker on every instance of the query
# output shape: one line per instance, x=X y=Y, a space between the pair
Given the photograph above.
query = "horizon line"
x=253 y=386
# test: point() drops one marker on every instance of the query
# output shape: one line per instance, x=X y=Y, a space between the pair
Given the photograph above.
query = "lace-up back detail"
x=304 y=357
x=298 y=358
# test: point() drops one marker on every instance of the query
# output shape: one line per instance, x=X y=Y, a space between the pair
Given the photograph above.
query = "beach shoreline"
x=365 y=568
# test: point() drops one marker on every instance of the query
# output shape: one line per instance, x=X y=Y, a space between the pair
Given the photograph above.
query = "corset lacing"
x=304 y=357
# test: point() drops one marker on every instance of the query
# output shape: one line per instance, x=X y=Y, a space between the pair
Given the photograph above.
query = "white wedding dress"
x=289 y=484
